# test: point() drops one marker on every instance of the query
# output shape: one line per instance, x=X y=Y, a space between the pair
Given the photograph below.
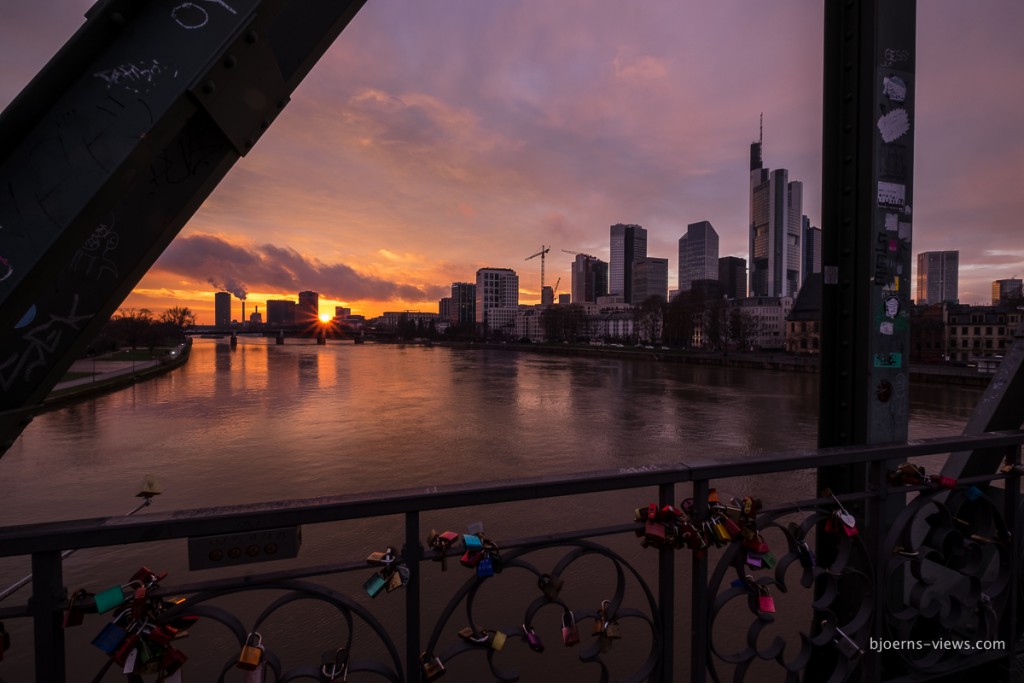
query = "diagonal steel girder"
x=116 y=143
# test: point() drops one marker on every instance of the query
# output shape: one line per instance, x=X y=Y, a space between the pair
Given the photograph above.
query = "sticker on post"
x=889 y=360
x=894 y=125
x=886 y=328
x=892 y=194
x=892 y=222
x=894 y=88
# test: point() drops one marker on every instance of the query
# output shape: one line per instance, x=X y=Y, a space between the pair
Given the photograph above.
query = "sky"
x=437 y=137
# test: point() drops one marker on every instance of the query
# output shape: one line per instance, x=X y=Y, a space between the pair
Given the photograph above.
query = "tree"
x=133 y=326
x=179 y=317
x=650 y=318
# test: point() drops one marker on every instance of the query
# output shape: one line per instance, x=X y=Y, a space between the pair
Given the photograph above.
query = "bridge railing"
x=915 y=578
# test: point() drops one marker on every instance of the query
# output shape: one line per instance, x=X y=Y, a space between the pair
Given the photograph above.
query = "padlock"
x=713 y=496
x=720 y=530
x=943 y=482
x=732 y=527
x=484 y=567
x=612 y=629
x=109 y=599
x=128 y=667
x=570 y=632
x=150 y=654
x=765 y=601
x=376 y=558
x=252 y=652
x=491 y=552
x=973 y=493
x=756 y=544
x=394 y=581
x=147 y=577
x=532 y=639
x=472 y=542
x=496 y=639
x=655 y=532
x=113 y=634
x=804 y=553
x=751 y=506
x=172 y=660
x=125 y=648
x=599 y=621
x=471 y=558
x=550 y=585
x=768 y=560
x=375 y=584
x=432 y=666
x=74 y=616
x=259 y=674
x=334 y=665
x=754 y=560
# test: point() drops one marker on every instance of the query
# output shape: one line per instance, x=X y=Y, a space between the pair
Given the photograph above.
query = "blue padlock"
x=374 y=585
x=485 y=567
x=472 y=542
x=973 y=493
x=110 y=637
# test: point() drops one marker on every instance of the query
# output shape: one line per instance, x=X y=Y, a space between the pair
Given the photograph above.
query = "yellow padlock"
x=252 y=652
x=498 y=640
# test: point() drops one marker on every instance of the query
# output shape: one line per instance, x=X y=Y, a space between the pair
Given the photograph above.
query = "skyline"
x=401 y=165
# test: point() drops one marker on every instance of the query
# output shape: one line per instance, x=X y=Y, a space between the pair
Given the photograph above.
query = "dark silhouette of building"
x=732 y=273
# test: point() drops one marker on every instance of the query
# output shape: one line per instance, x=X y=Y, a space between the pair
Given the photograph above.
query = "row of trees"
x=140 y=327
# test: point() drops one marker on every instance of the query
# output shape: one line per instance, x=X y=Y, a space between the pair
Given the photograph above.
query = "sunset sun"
x=325 y=317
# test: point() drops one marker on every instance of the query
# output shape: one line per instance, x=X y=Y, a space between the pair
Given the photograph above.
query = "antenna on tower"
x=760 y=136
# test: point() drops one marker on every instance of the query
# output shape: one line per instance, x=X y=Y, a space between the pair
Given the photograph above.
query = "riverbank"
x=106 y=373
x=919 y=372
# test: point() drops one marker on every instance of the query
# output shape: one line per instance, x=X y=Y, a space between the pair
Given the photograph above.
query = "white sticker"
x=894 y=88
x=891 y=194
x=891 y=221
x=129 y=661
x=894 y=125
x=904 y=231
x=885 y=328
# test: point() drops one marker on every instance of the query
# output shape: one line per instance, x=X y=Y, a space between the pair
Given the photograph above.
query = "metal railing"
x=941 y=570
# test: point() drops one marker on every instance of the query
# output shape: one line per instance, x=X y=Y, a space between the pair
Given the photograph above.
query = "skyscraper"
x=1004 y=290
x=698 y=255
x=308 y=309
x=497 y=297
x=732 y=273
x=463 y=309
x=812 y=250
x=776 y=211
x=650 y=278
x=628 y=245
x=222 y=308
x=280 y=312
x=589 y=278
x=937 y=277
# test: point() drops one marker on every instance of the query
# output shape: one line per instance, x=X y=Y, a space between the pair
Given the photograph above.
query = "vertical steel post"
x=1011 y=619
x=47 y=595
x=667 y=593
x=700 y=602
x=412 y=557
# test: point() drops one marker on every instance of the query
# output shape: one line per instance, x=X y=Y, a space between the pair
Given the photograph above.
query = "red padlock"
x=570 y=632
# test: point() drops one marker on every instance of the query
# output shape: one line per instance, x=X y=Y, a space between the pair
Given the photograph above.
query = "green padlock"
x=109 y=599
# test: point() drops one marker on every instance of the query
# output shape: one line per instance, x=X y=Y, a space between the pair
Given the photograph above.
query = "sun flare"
x=325 y=317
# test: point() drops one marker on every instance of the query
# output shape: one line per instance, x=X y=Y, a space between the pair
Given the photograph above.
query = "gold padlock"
x=497 y=640
x=252 y=652
x=432 y=666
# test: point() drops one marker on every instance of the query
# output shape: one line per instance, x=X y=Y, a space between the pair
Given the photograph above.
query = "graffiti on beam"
x=138 y=77
x=192 y=15
x=42 y=342
x=93 y=260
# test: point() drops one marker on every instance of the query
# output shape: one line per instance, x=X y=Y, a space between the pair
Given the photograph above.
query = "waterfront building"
x=980 y=331
x=392 y=319
x=650 y=278
x=280 y=312
x=732 y=273
x=342 y=312
x=222 y=309
x=812 y=250
x=1006 y=290
x=444 y=308
x=937 y=277
x=628 y=245
x=803 y=324
x=463 y=309
x=308 y=309
x=497 y=298
x=589 y=278
x=776 y=212
x=698 y=254
x=762 y=321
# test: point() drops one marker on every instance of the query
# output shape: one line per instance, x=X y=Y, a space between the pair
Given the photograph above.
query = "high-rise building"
x=308 y=309
x=463 y=308
x=497 y=297
x=1005 y=290
x=589 y=278
x=547 y=295
x=812 y=250
x=628 y=245
x=342 y=312
x=222 y=308
x=650 y=278
x=280 y=312
x=698 y=255
x=732 y=273
x=776 y=211
x=937 y=277
x=444 y=309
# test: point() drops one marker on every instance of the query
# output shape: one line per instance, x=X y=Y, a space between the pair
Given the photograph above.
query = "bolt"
x=230 y=62
x=117 y=19
x=209 y=87
x=251 y=37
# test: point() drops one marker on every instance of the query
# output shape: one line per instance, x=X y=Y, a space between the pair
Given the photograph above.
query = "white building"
x=497 y=298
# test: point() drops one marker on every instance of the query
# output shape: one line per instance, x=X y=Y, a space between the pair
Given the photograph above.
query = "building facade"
x=937 y=277
x=280 y=312
x=812 y=250
x=497 y=298
x=628 y=245
x=975 y=332
x=650 y=278
x=589 y=278
x=463 y=306
x=776 y=224
x=308 y=309
x=1006 y=290
x=698 y=254
x=222 y=309
x=732 y=273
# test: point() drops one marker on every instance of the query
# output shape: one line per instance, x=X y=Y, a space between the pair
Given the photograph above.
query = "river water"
x=263 y=422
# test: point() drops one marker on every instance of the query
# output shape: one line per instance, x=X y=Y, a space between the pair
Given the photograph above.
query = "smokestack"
x=243 y=312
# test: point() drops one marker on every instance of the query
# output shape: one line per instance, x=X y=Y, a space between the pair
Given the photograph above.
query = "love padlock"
x=75 y=616
x=532 y=639
x=570 y=632
x=113 y=634
x=334 y=665
x=375 y=584
x=252 y=652
x=431 y=666
x=550 y=585
x=765 y=601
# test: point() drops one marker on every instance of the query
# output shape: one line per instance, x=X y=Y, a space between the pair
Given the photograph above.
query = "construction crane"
x=543 y=250
x=554 y=291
